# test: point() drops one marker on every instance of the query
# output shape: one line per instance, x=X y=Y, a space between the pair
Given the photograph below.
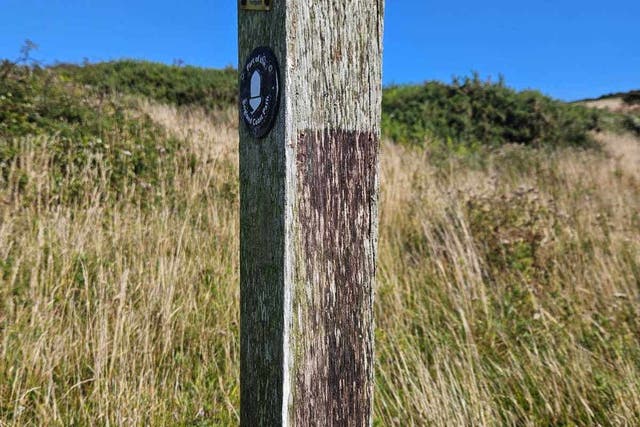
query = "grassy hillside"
x=630 y=97
x=81 y=129
x=619 y=111
x=208 y=88
x=468 y=112
x=474 y=112
x=508 y=289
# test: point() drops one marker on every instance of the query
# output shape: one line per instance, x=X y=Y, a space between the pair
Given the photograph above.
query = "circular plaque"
x=260 y=91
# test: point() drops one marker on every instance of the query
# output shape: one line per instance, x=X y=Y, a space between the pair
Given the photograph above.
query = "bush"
x=632 y=124
x=33 y=101
x=632 y=98
x=471 y=111
x=513 y=230
x=208 y=88
x=468 y=113
x=79 y=127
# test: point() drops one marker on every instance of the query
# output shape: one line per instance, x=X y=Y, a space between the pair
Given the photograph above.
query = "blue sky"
x=569 y=49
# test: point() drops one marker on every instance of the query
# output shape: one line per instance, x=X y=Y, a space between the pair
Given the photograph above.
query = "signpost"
x=310 y=96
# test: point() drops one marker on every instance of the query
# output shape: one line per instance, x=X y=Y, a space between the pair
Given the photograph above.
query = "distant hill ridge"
x=628 y=97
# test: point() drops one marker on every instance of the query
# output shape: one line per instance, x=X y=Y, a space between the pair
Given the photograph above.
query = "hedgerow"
x=79 y=127
x=179 y=85
x=472 y=111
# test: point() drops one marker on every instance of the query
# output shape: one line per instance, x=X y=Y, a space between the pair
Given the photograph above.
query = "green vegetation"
x=178 y=85
x=507 y=292
x=632 y=123
x=609 y=96
x=469 y=112
x=80 y=128
x=632 y=98
x=473 y=112
x=496 y=303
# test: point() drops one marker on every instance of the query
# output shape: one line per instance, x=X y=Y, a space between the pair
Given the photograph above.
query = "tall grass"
x=507 y=289
x=116 y=313
x=509 y=295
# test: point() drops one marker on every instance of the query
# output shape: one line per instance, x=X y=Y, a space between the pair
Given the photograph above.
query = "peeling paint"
x=336 y=178
x=308 y=218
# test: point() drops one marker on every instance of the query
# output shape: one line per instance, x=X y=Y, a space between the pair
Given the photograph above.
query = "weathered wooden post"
x=310 y=97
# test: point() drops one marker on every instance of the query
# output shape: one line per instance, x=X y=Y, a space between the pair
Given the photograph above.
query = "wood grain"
x=309 y=195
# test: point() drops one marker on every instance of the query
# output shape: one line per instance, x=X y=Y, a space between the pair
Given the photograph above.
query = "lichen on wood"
x=309 y=208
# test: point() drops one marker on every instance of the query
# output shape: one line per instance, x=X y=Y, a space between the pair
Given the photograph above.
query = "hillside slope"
x=178 y=85
x=508 y=278
x=614 y=104
x=468 y=112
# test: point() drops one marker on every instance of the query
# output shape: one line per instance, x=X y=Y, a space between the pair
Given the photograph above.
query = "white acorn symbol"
x=256 y=84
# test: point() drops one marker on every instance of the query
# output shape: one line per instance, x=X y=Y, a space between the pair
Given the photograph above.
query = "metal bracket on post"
x=255 y=4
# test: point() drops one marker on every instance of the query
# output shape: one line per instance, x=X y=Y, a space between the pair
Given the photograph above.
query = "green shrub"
x=632 y=98
x=209 y=88
x=80 y=130
x=632 y=124
x=471 y=111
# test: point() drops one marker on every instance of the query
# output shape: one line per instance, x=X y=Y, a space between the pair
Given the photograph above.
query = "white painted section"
x=256 y=86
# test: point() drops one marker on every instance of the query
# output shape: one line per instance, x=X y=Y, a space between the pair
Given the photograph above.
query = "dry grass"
x=611 y=104
x=624 y=150
x=508 y=294
x=121 y=314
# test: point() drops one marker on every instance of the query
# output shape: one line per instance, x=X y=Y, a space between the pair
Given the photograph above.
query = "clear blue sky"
x=569 y=49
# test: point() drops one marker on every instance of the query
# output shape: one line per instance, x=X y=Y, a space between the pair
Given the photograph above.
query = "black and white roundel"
x=260 y=91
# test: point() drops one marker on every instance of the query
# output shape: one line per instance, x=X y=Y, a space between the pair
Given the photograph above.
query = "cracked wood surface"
x=308 y=224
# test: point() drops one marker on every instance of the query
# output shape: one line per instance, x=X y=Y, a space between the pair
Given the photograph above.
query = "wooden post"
x=310 y=77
